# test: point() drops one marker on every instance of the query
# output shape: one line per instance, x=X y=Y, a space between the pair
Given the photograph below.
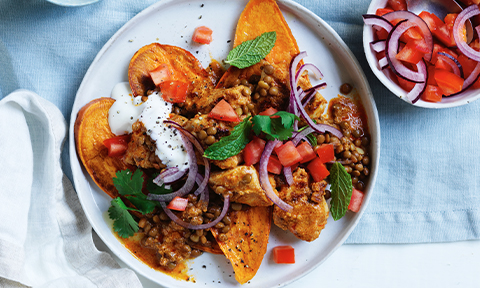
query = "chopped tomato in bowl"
x=435 y=51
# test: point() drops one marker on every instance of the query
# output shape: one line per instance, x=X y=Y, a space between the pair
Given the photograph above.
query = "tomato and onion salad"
x=429 y=57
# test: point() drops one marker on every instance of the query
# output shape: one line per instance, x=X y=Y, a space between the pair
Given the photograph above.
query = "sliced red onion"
x=471 y=79
x=299 y=136
x=413 y=18
x=417 y=90
x=392 y=48
x=189 y=183
x=462 y=17
x=383 y=63
x=375 y=20
x=310 y=93
x=264 y=182
x=452 y=62
x=226 y=204
x=287 y=172
x=199 y=147
x=169 y=175
x=310 y=67
x=378 y=45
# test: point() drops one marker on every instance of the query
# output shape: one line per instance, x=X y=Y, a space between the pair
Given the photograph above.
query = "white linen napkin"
x=45 y=238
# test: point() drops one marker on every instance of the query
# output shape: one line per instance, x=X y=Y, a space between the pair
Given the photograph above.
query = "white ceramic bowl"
x=368 y=36
x=172 y=22
x=72 y=2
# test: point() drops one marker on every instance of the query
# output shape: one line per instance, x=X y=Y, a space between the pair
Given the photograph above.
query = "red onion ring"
x=169 y=175
x=452 y=62
x=417 y=90
x=226 y=204
x=378 y=45
x=375 y=20
x=310 y=67
x=264 y=182
x=189 y=183
x=287 y=172
x=383 y=63
x=462 y=17
x=199 y=147
x=412 y=17
x=392 y=47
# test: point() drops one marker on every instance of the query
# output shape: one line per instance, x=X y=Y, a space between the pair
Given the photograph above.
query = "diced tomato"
x=317 y=169
x=383 y=11
x=253 y=151
x=405 y=84
x=306 y=151
x=160 y=74
x=442 y=64
x=178 y=204
x=438 y=48
x=356 y=200
x=274 y=166
x=431 y=75
x=397 y=4
x=450 y=21
x=224 y=112
x=381 y=34
x=448 y=82
x=117 y=145
x=268 y=112
x=432 y=94
x=413 y=51
x=444 y=35
x=173 y=91
x=202 y=35
x=467 y=65
x=288 y=154
x=413 y=33
x=284 y=254
x=431 y=19
x=326 y=153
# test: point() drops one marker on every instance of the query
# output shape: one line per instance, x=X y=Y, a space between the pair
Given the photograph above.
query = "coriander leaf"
x=279 y=127
x=312 y=139
x=128 y=183
x=341 y=188
x=252 y=51
x=143 y=205
x=123 y=222
x=232 y=144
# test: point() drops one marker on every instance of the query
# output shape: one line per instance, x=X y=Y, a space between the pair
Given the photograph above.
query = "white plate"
x=173 y=22
x=467 y=97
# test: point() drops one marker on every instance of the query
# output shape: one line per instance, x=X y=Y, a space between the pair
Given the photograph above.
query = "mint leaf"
x=123 y=222
x=252 y=51
x=232 y=144
x=128 y=183
x=341 y=188
x=155 y=189
x=279 y=127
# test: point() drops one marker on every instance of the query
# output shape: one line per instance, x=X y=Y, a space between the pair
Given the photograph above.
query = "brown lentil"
x=346 y=88
x=263 y=92
x=263 y=84
x=236 y=206
x=268 y=69
x=246 y=91
x=211 y=130
x=202 y=134
x=222 y=237
x=244 y=82
x=268 y=79
x=239 y=111
x=273 y=91
x=210 y=140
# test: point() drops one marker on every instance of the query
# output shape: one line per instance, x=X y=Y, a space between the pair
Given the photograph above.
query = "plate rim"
x=285 y=5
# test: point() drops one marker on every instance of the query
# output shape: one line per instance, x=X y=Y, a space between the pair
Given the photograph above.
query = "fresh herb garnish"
x=232 y=144
x=312 y=139
x=123 y=222
x=277 y=126
x=130 y=186
x=341 y=188
x=252 y=51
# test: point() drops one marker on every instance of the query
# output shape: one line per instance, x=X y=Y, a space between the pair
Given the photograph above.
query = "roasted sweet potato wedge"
x=258 y=17
x=183 y=67
x=247 y=240
x=91 y=129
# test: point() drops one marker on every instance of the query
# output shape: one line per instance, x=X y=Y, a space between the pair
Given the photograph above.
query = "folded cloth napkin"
x=428 y=185
x=45 y=238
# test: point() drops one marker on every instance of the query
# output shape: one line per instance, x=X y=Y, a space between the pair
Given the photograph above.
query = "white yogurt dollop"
x=127 y=109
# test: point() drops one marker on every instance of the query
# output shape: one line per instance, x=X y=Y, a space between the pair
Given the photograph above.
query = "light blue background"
x=429 y=181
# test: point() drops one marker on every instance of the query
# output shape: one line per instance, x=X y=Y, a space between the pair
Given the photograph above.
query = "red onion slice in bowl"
x=419 y=88
x=462 y=17
x=452 y=62
x=412 y=17
x=375 y=20
x=391 y=51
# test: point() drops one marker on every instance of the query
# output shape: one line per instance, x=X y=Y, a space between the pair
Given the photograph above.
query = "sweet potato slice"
x=247 y=240
x=260 y=16
x=91 y=129
x=183 y=67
